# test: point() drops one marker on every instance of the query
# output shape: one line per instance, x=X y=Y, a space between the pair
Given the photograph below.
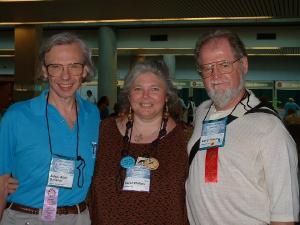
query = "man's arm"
x=280 y=167
x=3 y=192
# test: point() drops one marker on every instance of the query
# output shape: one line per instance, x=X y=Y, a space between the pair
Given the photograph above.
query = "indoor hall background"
x=270 y=29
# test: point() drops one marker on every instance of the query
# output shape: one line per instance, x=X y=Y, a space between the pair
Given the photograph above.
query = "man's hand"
x=3 y=192
x=12 y=185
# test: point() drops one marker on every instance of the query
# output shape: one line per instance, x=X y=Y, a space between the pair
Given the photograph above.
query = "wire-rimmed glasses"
x=74 y=69
x=222 y=67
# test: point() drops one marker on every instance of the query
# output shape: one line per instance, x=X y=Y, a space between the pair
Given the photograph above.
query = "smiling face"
x=148 y=96
x=64 y=85
x=225 y=89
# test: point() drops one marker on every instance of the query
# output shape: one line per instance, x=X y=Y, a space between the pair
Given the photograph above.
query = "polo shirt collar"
x=245 y=105
x=38 y=104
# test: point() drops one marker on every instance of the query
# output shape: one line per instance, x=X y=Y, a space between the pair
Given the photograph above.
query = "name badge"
x=213 y=133
x=137 y=179
x=50 y=204
x=61 y=172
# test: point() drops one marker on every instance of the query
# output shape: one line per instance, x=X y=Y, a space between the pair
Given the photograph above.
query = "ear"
x=85 y=71
x=45 y=74
x=128 y=96
x=166 y=100
x=245 y=65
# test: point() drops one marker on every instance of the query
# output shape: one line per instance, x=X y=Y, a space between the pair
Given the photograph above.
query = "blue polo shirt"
x=25 y=151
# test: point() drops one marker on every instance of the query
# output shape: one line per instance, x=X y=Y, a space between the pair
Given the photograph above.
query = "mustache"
x=219 y=81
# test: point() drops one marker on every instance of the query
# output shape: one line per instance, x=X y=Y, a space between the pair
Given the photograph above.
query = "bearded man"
x=243 y=162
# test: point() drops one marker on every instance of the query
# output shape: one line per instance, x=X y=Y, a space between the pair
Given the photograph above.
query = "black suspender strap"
x=194 y=151
x=230 y=118
x=260 y=108
x=195 y=147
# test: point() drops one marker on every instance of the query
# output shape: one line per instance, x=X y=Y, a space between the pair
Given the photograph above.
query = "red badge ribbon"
x=211 y=165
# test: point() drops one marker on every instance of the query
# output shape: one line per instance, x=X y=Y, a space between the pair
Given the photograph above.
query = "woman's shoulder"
x=186 y=130
x=108 y=122
x=182 y=131
x=111 y=123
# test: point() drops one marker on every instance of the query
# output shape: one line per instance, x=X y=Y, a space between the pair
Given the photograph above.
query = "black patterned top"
x=163 y=205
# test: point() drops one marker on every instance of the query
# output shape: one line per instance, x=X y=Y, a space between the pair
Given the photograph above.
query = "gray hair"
x=237 y=46
x=160 y=69
x=63 y=39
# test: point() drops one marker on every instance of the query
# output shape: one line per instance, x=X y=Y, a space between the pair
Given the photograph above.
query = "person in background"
x=48 y=143
x=103 y=104
x=142 y=166
x=191 y=108
x=291 y=104
x=181 y=109
x=291 y=118
x=90 y=97
x=243 y=162
x=264 y=100
x=117 y=111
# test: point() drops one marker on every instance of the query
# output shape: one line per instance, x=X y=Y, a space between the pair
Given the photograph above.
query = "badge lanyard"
x=81 y=166
x=211 y=159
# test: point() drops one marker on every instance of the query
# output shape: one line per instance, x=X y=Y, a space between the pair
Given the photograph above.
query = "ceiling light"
x=25 y=0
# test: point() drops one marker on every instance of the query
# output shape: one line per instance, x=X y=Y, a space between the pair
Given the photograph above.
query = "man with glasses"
x=49 y=143
x=243 y=162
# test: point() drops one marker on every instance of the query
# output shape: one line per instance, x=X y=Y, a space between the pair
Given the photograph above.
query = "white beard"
x=222 y=98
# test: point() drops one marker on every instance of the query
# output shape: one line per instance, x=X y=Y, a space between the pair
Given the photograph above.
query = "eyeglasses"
x=74 y=69
x=223 y=67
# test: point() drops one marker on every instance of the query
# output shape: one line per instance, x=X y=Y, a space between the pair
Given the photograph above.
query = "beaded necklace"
x=127 y=142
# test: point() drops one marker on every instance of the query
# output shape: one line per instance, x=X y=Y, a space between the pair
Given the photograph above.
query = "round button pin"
x=151 y=163
x=127 y=162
